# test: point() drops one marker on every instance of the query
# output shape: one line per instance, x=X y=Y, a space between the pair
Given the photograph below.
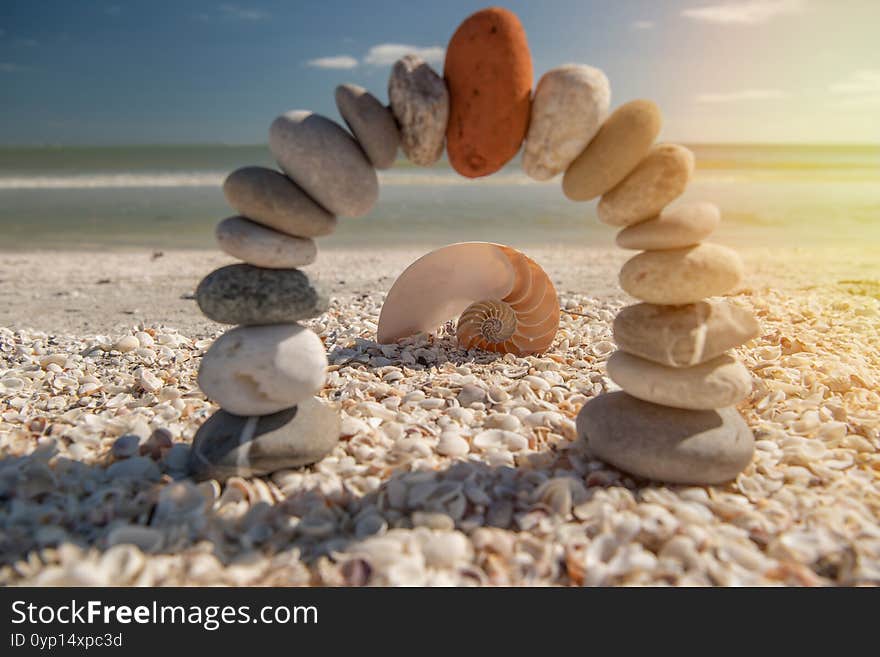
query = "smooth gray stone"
x=323 y=159
x=229 y=445
x=264 y=247
x=248 y=295
x=666 y=444
x=370 y=122
x=683 y=336
x=272 y=199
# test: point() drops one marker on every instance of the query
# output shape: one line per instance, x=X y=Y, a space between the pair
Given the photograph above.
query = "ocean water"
x=167 y=197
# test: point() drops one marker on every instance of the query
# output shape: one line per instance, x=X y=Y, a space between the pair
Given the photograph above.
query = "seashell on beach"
x=506 y=303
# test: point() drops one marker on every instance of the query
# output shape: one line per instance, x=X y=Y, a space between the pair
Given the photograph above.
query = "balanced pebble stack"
x=675 y=419
x=265 y=373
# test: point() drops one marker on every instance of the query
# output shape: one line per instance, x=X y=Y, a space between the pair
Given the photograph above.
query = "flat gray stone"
x=248 y=295
x=272 y=199
x=682 y=336
x=420 y=103
x=370 y=122
x=229 y=445
x=717 y=383
x=666 y=444
x=323 y=159
x=264 y=247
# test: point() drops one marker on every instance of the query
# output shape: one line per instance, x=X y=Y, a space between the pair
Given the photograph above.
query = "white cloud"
x=386 y=54
x=858 y=90
x=337 y=62
x=242 y=13
x=642 y=25
x=747 y=12
x=739 y=96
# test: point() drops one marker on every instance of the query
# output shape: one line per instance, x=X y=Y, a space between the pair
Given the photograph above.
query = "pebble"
x=371 y=123
x=420 y=104
x=248 y=295
x=229 y=445
x=146 y=538
x=136 y=467
x=258 y=370
x=719 y=382
x=666 y=444
x=568 y=108
x=126 y=344
x=681 y=336
x=488 y=70
x=264 y=247
x=681 y=276
x=471 y=394
x=684 y=225
x=145 y=340
x=656 y=181
x=452 y=444
x=273 y=200
x=621 y=143
x=125 y=446
x=323 y=159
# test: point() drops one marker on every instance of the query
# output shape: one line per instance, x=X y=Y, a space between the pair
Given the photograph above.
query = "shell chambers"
x=506 y=302
x=523 y=322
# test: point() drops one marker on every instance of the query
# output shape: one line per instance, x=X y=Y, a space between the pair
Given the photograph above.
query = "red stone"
x=488 y=72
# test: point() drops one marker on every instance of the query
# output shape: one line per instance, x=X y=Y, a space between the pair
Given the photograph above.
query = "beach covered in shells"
x=454 y=467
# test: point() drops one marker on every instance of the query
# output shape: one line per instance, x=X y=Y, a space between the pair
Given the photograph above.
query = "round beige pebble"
x=126 y=344
x=658 y=180
x=680 y=276
x=682 y=336
x=717 y=383
x=272 y=199
x=370 y=122
x=684 y=225
x=323 y=159
x=420 y=103
x=264 y=247
x=569 y=106
x=258 y=370
x=621 y=143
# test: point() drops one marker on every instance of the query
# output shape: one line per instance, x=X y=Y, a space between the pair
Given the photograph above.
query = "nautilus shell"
x=504 y=301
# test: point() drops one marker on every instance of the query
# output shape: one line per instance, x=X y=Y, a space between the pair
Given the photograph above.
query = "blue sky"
x=113 y=72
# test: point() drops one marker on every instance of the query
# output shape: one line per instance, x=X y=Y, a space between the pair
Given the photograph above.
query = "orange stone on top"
x=488 y=72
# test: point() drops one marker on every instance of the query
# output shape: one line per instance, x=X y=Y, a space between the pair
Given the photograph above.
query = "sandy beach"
x=392 y=505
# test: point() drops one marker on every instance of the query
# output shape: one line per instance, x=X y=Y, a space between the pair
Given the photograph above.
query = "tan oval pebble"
x=680 y=276
x=371 y=123
x=674 y=228
x=323 y=159
x=719 y=382
x=681 y=336
x=126 y=344
x=569 y=106
x=621 y=143
x=272 y=199
x=420 y=103
x=264 y=247
x=666 y=444
x=658 y=180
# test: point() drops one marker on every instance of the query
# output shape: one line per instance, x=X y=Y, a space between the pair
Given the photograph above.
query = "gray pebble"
x=272 y=199
x=248 y=295
x=323 y=159
x=371 y=122
x=227 y=445
x=666 y=444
